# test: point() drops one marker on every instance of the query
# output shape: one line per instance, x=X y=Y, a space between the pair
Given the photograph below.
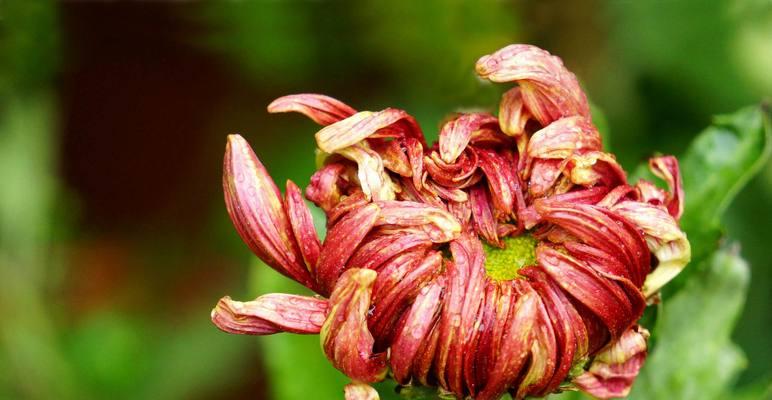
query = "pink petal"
x=456 y=133
x=666 y=167
x=302 y=226
x=271 y=313
x=364 y=124
x=323 y=110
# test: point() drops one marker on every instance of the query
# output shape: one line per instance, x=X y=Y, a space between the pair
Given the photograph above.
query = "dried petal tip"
x=269 y=314
x=615 y=368
x=361 y=391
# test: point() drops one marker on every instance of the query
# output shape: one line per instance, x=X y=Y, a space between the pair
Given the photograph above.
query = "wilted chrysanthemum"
x=511 y=256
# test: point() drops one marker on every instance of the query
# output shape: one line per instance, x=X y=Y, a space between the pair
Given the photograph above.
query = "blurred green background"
x=114 y=239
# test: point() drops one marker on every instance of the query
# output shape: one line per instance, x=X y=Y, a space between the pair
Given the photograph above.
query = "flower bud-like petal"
x=614 y=369
x=345 y=338
x=271 y=313
x=364 y=124
x=548 y=89
x=360 y=391
x=323 y=110
x=256 y=208
x=664 y=238
x=323 y=189
x=456 y=133
x=666 y=167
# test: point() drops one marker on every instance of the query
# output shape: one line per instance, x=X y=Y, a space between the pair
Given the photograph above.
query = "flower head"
x=510 y=256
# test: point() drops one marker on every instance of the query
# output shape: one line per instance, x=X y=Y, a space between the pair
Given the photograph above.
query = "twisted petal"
x=257 y=211
x=594 y=168
x=668 y=243
x=564 y=137
x=360 y=391
x=548 y=89
x=269 y=314
x=364 y=124
x=394 y=159
x=373 y=179
x=323 y=110
x=456 y=133
x=615 y=368
x=345 y=338
x=323 y=189
x=666 y=167
x=512 y=114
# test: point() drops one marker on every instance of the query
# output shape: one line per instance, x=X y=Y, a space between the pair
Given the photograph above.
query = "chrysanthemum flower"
x=511 y=256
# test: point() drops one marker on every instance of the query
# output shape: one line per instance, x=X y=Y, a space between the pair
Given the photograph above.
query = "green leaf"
x=716 y=166
x=694 y=357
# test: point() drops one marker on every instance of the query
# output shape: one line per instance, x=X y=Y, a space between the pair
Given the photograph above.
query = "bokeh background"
x=114 y=239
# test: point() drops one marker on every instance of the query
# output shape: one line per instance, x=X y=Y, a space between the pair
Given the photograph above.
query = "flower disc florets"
x=511 y=256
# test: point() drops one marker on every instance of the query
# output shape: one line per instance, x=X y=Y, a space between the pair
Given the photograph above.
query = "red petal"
x=364 y=124
x=302 y=226
x=666 y=167
x=456 y=133
x=563 y=138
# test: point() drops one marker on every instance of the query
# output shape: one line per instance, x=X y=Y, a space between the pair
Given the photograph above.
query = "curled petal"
x=482 y=215
x=548 y=89
x=650 y=193
x=271 y=313
x=596 y=167
x=415 y=155
x=563 y=138
x=377 y=250
x=360 y=391
x=666 y=167
x=543 y=355
x=302 y=226
x=614 y=369
x=324 y=190
x=439 y=224
x=456 y=133
x=394 y=159
x=544 y=174
x=345 y=338
x=364 y=124
x=256 y=208
x=665 y=239
x=323 y=110
x=502 y=182
x=512 y=114
x=373 y=179
x=342 y=240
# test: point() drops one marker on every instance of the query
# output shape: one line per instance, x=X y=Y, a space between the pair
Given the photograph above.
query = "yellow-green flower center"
x=503 y=264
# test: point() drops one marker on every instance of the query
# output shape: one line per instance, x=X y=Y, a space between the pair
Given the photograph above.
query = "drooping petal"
x=548 y=89
x=603 y=298
x=514 y=348
x=373 y=179
x=323 y=110
x=482 y=215
x=271 y=313
x=613 y=370
x=362 y=125
x=394 y=159
x=502 y=181
x=544 y=174
x=342 y=240
x=379 y=249
x=543 y=355
x=563 y=138
x=256 y=208
x=302 y=226
x=512 y=114
x=420 y=319
x=666 y=167
x=664 y=238
x=360 y=391
x=345 y=338
x=456 y=133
